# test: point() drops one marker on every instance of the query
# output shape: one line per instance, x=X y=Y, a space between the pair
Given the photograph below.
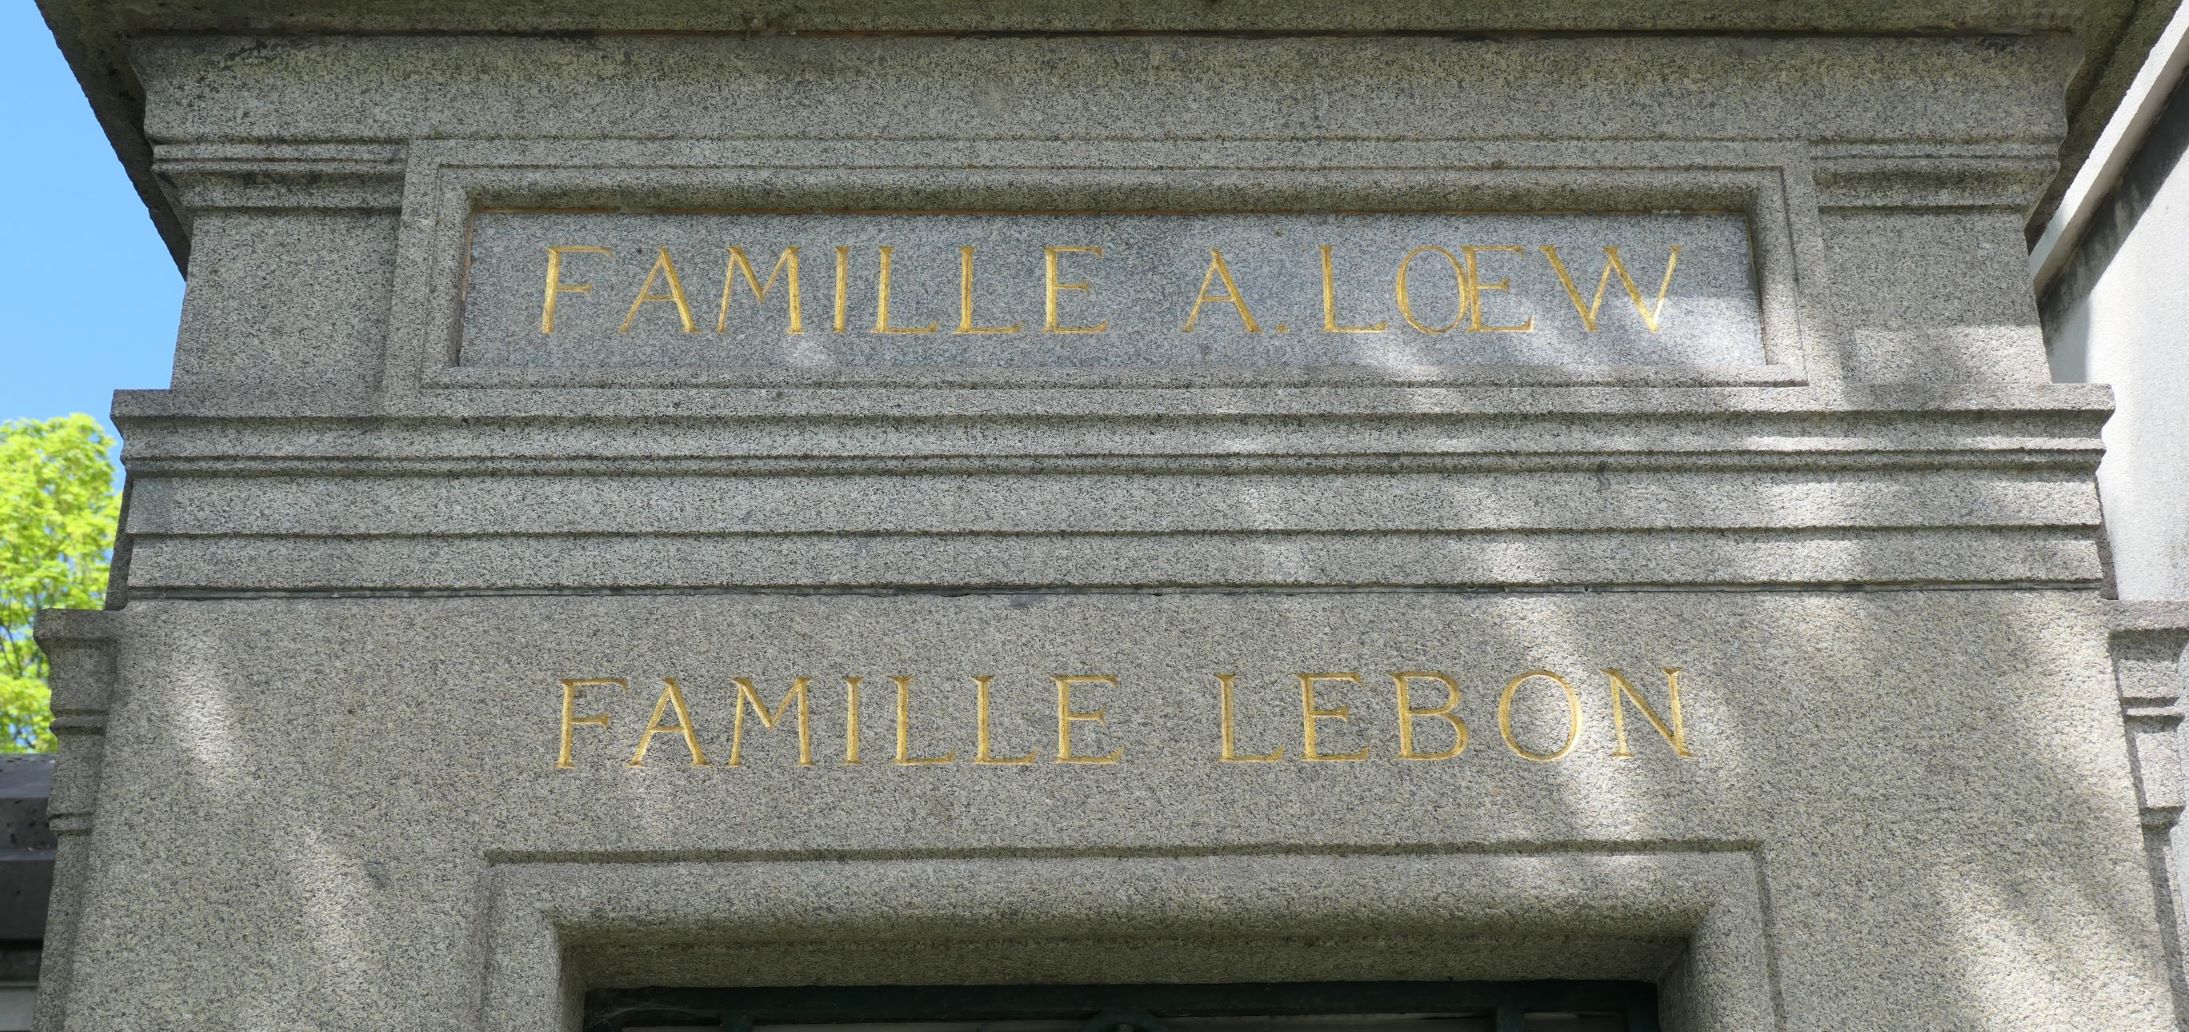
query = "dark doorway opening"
x=1549 y=1006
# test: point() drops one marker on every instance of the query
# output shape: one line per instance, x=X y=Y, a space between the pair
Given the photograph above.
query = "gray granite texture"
x=1096 y=291
x=365 y=550
x=1059 y=489
x=1901 y=809
x=95 y=35
x=948 y=89
x=1882 y=230
x=1943 y=295
x=289 y=296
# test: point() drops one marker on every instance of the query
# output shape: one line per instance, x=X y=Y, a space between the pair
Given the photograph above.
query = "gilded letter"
x=1406 y=301
x=570 y=718
x=739 y=265
x=1229 y=732
x=981 y=753
x=1573 y=717
x=556 y=286
x=1049 y=322
x=746 y=696
x=1066 y=716
x=881 y=302
x=1330 y=302
x=1217 y=269
x=671 y=695
x=904 y=730
x=1309 y=714
x=1650 y=314
x=851 y=721
x=843 y=269
x=965 y=297
x=1676 y=733
x=1409 y=713
x=1474 y=288
x=663 y=268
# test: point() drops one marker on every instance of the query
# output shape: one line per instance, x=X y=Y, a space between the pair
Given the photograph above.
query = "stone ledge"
x=2164 y=615
x=2089 y=403
x=1831 y=560
x=1061 y=503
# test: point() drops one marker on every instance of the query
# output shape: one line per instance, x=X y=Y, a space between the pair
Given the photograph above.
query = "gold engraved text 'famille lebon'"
x=1310 y=713
x=570 y=719
x=671 y=696
x=1227 y=726
x=983 y=752
x=1422 y=723
x=851 y=720
x=1403 y=682
x=1573 y=717
x=1622 y=692
x=1066 y=716
x=904 y=730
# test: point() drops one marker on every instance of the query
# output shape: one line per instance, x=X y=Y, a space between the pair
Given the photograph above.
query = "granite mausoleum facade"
x=1402 y=500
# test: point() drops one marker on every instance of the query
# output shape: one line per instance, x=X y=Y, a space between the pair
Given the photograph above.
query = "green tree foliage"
x=57 y=512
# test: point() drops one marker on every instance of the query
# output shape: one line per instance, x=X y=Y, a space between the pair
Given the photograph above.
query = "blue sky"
x=96 y=296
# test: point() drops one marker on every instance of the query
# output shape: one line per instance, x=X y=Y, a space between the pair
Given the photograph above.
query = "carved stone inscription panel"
x=1372 y=291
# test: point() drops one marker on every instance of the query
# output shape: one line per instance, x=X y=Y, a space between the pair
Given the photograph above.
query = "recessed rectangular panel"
x=1403 y=292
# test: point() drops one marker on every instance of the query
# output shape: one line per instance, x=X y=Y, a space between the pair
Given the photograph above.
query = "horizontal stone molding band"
x=245 y=565
x=929 y=87
x=1878 y=405
x=1134 y=502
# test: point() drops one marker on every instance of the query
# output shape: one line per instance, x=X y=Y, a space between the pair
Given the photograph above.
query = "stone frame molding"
x=558 y=925
x=446 y=181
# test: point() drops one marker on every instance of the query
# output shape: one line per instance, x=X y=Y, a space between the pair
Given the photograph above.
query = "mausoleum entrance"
x=1531 y=1006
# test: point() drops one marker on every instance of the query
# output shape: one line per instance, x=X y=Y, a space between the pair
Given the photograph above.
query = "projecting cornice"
x=96 y=35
